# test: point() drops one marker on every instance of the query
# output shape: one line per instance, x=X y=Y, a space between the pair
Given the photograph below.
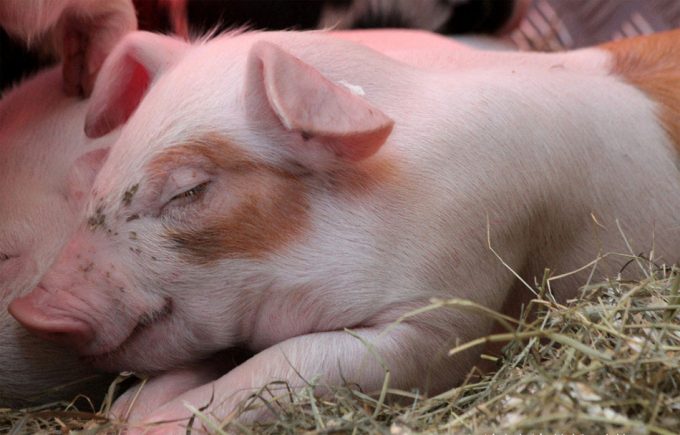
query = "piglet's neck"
x=392 y=231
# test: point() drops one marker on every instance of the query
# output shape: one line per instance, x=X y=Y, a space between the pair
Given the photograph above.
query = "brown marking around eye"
x=270 y=208
x=271 y=204
x=213 y=148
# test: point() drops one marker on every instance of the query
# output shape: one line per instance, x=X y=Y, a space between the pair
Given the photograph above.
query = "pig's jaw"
x=163 y=340
x=148 y=325
x=65 y=308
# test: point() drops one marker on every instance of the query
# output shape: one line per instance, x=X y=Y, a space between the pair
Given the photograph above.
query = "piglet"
x=47 y=165
x=84 y=32
x=272 y=190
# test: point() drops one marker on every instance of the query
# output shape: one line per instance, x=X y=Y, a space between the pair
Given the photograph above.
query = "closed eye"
x=5 y=257
x=190 y=195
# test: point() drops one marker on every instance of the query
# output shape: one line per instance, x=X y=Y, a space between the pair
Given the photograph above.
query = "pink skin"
x=298 y=196
x=62 y=326
x=104 y=254
x=85 y=31
x=402 y=43
x=92 y=298
x=146 y=397
x=46 y=167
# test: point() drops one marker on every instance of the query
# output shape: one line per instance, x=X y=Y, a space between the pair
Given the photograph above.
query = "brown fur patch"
x=212 y=148
x=268 y=205
x=362 y=177
x=652 y=64
x=271 y=203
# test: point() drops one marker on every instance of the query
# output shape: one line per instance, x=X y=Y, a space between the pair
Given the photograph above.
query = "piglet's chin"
x=35 y=313
x=157 y=343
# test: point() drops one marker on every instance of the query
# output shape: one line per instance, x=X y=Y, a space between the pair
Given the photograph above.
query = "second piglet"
x=47 y=165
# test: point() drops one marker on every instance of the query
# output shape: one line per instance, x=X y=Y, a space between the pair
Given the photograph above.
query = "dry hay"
x=607 y=362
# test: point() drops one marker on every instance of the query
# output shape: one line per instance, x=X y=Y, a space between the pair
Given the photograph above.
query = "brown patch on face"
x=365 y=176
x=213 y=148
x=652 y=64
x=268 y=206
x=271 y=204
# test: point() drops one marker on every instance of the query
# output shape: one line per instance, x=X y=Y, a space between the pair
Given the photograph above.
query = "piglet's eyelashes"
x=6 y=257
x=192 y=193
x=189 y=195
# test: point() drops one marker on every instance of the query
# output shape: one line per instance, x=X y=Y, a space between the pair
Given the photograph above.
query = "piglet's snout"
x=77 y=303
x=38 y=314
x=58 y=309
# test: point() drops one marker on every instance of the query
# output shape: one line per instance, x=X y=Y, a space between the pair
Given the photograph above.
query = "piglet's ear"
x=125 y=77
x=324 y=113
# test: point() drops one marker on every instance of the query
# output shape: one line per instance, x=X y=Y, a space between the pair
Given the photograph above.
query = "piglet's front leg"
x=143 y=399
x=337 y=356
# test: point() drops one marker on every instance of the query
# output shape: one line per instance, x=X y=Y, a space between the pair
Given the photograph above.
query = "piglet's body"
x=317 y=185
x=47 y=164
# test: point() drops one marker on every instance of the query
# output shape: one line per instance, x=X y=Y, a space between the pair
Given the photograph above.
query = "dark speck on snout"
x=132 y=217
x=97 y=220
x=129 y=194
x=88 y=267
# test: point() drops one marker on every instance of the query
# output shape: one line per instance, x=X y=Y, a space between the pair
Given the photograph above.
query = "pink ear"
x=125 y=76
x=305 y=101
x=82 y=175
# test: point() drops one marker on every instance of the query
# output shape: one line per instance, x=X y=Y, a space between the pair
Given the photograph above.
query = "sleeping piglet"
x=47 y=165
x=271 y=190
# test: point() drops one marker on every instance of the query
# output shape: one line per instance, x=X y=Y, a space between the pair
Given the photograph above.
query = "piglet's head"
x=205 y=192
